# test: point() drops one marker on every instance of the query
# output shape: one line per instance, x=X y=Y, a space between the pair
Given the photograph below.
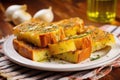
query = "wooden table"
x=62 y=9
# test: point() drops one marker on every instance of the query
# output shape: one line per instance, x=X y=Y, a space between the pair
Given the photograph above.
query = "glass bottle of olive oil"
x=101 y=10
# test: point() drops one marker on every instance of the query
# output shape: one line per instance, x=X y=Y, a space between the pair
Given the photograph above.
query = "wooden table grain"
x=62 y=9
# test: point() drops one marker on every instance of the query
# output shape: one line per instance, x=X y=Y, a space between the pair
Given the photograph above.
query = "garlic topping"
x=44 y=15
x=11 y=9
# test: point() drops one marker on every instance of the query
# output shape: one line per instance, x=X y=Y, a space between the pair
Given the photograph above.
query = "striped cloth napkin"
x=12 y=71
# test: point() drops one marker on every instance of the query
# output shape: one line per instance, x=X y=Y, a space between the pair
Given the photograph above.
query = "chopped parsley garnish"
x=94 y=58
x=79 y=36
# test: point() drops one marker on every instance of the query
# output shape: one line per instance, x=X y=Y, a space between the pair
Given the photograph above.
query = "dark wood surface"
x=62 y=9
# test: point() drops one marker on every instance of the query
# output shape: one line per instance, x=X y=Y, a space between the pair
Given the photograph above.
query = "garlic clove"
x=45 y=15
x=11 y=9
x=20 y=16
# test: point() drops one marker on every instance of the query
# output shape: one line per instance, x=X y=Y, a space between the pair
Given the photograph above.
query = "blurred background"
x=62 y=8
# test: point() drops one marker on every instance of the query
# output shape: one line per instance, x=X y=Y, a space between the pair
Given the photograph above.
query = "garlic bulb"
x=11 y=9
x=20 y=16
x=45 y=15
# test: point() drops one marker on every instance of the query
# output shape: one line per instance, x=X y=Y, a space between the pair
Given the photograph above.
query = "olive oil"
x=101 y=10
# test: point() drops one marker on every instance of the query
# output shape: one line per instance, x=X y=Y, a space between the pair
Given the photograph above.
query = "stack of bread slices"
x=67 y=39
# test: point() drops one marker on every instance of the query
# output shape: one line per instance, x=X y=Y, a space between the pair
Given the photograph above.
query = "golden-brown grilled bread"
x=31 y=52
x=72 y=26
x=62 y=47
x=39 y=33
x=73 y=43
x=66 y=39
x=83 y=50
x=75 y=56
x=82 y=41
x=75 y=49
x=100 y=38
x=37 y=54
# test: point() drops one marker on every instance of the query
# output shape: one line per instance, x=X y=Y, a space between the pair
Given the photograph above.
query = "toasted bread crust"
x=75 y=56
x=72 y=26
x=66 y=39
x=37 y=54
x=100 y=38
x=29 y=51
x=48 y=33
x=83 y=50
x=62 y=47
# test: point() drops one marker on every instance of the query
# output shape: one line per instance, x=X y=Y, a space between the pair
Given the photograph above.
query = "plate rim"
x=48 y=67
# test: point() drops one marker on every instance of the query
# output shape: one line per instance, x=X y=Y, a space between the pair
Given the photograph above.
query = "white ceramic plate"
x=107 y=57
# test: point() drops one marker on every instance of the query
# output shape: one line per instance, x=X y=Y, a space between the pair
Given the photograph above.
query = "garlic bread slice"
x=72 y=26
x=39 y=33
x=62 y=47
x=75 y=56
x=100 y=38
x=31 y=52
